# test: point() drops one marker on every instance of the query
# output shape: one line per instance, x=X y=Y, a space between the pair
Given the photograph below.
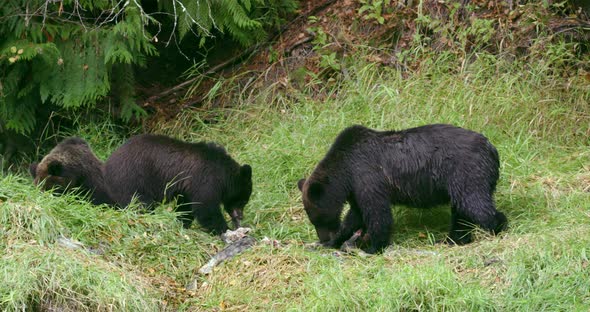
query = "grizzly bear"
x=72 y=164
x=419 y=167
x=201 y=176
x=154 y=168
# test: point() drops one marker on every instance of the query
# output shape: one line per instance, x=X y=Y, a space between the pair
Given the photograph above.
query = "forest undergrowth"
x=538 y=119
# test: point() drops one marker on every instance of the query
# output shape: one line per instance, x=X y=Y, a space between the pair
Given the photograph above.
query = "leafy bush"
x=73 y=54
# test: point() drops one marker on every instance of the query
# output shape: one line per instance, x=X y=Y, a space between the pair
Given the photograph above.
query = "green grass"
x=539 y=122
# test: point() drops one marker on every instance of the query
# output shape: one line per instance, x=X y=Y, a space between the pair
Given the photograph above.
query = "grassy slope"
x=539 y=123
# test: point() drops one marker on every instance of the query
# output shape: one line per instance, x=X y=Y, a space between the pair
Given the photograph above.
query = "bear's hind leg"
x=501 y=223
x=461 y=228
x=184 y=210
x=479 y=208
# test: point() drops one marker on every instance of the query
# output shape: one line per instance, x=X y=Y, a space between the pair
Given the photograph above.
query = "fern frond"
x=124 y=90
x=75 y=53
x=18 y=114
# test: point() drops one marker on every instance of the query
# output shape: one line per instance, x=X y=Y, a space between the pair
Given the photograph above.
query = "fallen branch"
x=211 y=71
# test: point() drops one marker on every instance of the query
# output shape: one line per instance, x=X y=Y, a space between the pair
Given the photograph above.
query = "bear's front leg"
x=352 y=222
x=378 y=221
x=209 y=216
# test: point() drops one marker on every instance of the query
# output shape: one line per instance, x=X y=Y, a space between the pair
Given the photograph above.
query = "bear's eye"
x=54 y=168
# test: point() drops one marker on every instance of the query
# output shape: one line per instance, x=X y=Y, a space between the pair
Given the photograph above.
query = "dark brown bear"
x=419 y=167
x=72 y=164
x=202 y=176
x=154 y=168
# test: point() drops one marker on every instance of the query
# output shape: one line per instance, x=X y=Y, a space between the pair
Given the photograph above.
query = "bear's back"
x=160 y=149
x=153 y=165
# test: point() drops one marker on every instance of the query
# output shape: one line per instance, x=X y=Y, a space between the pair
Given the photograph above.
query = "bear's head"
x=240 y=195
x=322 y=210
x=67 y=165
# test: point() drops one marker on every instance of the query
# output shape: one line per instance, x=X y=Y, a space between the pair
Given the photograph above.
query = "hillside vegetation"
x=534 y=108
x=538 y=121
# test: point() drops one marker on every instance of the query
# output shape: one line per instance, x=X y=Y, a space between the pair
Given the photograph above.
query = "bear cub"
x=72 y=164
x=419 y=167
x=154 y=168
x=201 y=176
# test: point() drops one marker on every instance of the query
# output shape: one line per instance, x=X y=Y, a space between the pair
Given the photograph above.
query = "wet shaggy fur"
x=419 y=167
x=72 y=164
x=202 y=176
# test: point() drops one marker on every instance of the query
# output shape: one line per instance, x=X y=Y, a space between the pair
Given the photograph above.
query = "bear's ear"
x=246 y=172
x=315 y=190
x=300 y=184
x=33 y=169
x=74 y=141
x=54 y=168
